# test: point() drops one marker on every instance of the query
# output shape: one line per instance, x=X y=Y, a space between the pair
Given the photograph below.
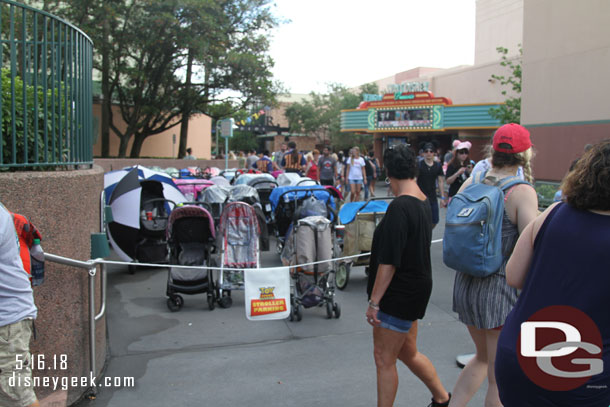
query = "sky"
x=353 y=42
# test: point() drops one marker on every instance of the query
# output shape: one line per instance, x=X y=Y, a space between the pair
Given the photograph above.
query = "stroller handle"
x=377 y=198
x=263 y=181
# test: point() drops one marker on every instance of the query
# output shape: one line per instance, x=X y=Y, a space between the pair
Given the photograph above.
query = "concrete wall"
x=566 y=55
x=46 y=198
x=159 y=145
x=110 y=164
x=470 y=85
x=499 y=23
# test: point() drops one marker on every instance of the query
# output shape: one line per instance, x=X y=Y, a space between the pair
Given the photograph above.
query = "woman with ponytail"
x=483 y=304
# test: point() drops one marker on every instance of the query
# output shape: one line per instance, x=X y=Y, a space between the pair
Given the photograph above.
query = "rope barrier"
x=124 y=263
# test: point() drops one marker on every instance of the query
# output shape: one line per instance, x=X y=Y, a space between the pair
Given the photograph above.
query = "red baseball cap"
x=512 y=138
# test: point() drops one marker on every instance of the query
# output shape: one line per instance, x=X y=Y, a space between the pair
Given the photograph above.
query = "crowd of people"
x=557 y=258
x=540 y=257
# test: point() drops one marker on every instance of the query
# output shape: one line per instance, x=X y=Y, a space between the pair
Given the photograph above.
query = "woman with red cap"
x=484 y=303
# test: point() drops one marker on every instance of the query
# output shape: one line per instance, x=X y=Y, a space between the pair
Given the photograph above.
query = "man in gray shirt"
x=17 y=313
x=252 y=158
x=328 y=168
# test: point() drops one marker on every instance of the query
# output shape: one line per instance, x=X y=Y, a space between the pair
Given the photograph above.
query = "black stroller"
x=151 y=243
x=191 y=237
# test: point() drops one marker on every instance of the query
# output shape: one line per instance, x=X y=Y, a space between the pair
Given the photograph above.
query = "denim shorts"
x=393 y=323
x=356 y=181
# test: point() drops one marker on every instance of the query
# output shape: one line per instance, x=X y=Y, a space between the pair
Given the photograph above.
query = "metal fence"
x=46 y=97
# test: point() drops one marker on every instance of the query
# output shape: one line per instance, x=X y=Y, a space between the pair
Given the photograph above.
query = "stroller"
x=286 y=204
x=191 y=237
x=359 y=220
x=151 y=243
x=311 y=239
x=238 y=231
x=249 y=195
x=192 y=188
x=214 y=198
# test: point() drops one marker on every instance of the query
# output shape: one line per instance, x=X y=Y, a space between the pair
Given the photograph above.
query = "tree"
x=510 y=112
x=166 y=59
x=321 y=115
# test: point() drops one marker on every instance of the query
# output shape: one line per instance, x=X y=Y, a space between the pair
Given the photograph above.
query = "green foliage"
x=241 y=141
x=510 y=112
x=166 y=59
x=37 y=150
x=320 y=116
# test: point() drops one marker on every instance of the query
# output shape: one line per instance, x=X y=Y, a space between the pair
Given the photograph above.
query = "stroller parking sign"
x=267 y=293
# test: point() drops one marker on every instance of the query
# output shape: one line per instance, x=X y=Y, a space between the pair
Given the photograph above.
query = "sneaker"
x=437 y=404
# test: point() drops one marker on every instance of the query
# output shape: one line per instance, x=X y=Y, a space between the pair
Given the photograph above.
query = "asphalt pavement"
x=219 y=358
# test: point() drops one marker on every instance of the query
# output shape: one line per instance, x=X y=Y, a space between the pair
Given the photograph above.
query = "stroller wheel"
x=337 y=310
x=279 y=247
x=211 y=302
x=299 y=312
x=342 y=275
x=329 y=310
x=132 y=269
x=225 y=302
x=175 y=302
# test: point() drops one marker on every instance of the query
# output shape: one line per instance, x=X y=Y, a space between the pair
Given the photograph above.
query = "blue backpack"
x=472 y=243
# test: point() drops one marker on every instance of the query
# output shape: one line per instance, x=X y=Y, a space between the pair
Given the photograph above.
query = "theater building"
x=565 y=86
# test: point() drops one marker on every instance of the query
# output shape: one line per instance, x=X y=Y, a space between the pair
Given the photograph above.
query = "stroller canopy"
x=290 y=193
x=248 y=179
x=244 y=193
x=215 y=194
x=123 y=193
x=222 y=181
x=191 y=188
x=190 y=211
x=348 y=211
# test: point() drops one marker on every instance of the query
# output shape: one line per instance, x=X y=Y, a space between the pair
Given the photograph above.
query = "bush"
x=27 y=124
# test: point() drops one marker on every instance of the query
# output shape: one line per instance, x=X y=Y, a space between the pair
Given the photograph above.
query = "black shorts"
x=326 y=182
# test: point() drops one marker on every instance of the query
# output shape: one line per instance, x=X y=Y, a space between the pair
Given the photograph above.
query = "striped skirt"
x=485 y=302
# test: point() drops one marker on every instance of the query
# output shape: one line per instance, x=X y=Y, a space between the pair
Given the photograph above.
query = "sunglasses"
x=463 y=152
x=428 y=151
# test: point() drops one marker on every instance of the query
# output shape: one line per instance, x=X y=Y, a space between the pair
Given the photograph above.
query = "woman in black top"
x=400 y=281
x=459 y=168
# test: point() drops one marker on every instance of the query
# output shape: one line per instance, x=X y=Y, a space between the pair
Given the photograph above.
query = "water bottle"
x=37 y=263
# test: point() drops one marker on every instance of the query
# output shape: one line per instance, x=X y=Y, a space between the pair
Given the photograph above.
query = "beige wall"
x=499 y=23
x=566 y=61
x=470 y=85
x=160 y=145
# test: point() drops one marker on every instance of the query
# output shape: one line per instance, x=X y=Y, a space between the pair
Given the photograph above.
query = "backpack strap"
x=509 y=182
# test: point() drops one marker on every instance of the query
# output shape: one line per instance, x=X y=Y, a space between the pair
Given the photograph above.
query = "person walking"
x=459 y=168
x=189 y=154
x=293 y=161
x=17 y=314
x=431 y=173
x=328 y=168
x=278 y=156
x=375 y=163
x=371 y=174
x=483 y=304
x=356 y=174
x=561 y=258
x=400 y=281
x=313 y=170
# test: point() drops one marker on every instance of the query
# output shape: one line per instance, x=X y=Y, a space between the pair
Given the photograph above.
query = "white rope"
x=124 y=263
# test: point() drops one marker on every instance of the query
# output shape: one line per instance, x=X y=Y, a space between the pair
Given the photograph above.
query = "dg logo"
x=560 y=348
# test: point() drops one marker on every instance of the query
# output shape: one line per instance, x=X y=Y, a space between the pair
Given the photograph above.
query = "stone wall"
x=65 y=207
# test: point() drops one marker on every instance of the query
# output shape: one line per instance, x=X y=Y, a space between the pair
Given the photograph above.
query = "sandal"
x=437 y=404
